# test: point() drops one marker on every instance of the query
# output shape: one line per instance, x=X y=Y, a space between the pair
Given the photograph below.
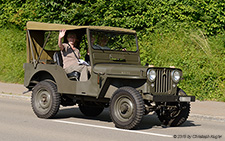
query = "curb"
x=207 y=117
x=15 y=96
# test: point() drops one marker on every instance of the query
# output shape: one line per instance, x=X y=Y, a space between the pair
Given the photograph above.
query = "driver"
x=102 y=41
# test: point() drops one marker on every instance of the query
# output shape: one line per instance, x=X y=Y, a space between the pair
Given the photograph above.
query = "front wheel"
x=45 y=99
x=174 y=113
x=126 y=108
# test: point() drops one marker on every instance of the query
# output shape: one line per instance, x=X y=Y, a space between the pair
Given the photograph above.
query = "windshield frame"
x=114 y=33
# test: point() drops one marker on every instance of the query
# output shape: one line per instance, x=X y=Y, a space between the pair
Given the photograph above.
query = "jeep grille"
x=163 y=81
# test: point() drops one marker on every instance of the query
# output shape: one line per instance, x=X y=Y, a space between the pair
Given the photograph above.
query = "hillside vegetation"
x=188 y=34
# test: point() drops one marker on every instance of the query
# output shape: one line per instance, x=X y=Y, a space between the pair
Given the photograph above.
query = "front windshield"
x=103 y=40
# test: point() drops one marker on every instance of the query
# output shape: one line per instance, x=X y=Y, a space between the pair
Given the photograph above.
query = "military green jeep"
x=117 y=79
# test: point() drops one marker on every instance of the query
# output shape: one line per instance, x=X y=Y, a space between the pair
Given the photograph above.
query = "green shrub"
x=141 y=15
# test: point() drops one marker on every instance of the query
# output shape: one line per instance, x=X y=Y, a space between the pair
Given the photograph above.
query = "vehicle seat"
x=57 y=57
x=74 y=75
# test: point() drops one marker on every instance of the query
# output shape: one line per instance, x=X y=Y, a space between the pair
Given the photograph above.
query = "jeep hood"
x=121 y=70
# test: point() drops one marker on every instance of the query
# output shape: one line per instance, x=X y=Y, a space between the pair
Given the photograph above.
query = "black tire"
x=45 y=99
x=91 y=110
x=178 y=115
x=126 y=108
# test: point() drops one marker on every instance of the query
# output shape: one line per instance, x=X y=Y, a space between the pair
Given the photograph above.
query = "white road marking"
x=111 y=128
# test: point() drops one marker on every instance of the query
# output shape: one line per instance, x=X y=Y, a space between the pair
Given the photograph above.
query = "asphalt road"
x=18 y=122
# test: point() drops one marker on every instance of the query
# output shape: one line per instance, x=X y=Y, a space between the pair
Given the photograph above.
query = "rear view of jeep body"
x=117 y=80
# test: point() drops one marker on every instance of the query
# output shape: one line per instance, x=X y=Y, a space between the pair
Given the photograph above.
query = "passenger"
x=71 y=54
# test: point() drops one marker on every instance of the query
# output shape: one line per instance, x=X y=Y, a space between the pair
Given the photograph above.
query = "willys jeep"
x=117 y=79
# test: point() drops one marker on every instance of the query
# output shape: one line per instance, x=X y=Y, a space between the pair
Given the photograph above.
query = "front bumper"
x=170 y=98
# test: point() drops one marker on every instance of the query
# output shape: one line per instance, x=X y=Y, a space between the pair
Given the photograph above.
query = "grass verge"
x=12 y=55
x=201 y=58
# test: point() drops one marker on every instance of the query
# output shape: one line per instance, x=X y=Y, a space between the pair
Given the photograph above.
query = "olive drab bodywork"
x=116 y=80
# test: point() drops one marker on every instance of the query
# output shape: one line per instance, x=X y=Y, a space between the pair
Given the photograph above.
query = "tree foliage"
x=147 y=15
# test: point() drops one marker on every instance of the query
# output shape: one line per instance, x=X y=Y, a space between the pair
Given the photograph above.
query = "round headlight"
x=175 y=75
x=151 y=75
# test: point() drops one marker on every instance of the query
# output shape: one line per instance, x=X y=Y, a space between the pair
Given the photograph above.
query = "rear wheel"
x=126 y=108
x=45 y=99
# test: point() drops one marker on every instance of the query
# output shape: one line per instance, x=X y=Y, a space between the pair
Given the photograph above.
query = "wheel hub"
x=124 y=109
x=43 y=99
